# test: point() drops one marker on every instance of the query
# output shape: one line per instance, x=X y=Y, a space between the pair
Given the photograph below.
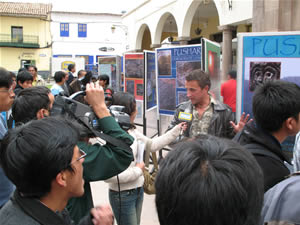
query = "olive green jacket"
x=101 y=163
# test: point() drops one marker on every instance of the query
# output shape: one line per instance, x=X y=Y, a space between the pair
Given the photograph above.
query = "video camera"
x=84 y=113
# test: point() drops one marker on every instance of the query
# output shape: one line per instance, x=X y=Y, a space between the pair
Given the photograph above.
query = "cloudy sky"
x=99 y=6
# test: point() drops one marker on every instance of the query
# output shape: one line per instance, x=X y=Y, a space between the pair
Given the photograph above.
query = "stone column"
x=154 y=46
x=226 y=50
x=183 y=40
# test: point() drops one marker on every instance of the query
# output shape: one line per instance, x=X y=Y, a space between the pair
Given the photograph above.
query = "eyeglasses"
x=10 y=90
x=82 y=155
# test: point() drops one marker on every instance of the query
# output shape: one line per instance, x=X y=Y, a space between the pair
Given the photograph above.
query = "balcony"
x=22 y=41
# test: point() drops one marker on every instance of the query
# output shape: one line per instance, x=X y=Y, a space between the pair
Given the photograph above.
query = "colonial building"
x=87 y=35
x=25 y=37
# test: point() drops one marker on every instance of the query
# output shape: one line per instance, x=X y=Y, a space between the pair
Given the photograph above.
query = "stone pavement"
x=149 y=215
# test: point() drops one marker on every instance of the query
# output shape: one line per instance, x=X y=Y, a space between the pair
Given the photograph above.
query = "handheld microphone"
x=185 y=116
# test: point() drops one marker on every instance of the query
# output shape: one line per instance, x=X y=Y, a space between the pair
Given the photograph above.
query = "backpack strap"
x=256 y=150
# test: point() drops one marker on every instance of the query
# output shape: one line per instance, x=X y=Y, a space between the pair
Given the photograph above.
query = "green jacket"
x=101 y=163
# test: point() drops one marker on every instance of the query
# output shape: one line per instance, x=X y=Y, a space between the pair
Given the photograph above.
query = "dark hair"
x=21 y=70
x=274 y=102
x=33 y=154
x=5 y=78
x=125 y=99
x=232 y=74
x=79 y=72
x=34 y=67
x=71 y=66
x=209 y=181
x=12 y=74
x=200 y=76
x=87 y=78
x=105 y=78
x=29 y=102
x=59 y=75
x=24 y=76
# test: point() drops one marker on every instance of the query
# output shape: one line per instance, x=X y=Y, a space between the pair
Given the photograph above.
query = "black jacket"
x=18 y=88
x=30 y=211
x=219 y=125
x=255 y=139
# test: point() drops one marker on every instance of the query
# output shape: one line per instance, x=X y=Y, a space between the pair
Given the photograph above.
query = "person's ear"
x=61 y=179
x=41 y=114
x=291 y=125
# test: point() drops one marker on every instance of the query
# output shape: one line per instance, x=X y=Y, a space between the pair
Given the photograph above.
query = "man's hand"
x=102 y=215
x=243 y=120
x=95 y=97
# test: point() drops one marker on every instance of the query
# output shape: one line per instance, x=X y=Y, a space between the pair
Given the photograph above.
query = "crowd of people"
x=220 y=171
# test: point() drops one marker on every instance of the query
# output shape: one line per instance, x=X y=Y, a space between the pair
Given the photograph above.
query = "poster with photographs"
x=173 y=65
x=264 y=57
x=134 y=65
x=212 y=51
x=150 y=80
x=111 y=66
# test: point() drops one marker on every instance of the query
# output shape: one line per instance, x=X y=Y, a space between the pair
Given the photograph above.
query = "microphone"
x=185 y=116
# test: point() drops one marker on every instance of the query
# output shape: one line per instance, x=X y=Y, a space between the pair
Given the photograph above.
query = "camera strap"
x=112 y=140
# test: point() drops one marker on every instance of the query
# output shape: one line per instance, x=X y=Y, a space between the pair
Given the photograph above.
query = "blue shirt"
x=6 y=186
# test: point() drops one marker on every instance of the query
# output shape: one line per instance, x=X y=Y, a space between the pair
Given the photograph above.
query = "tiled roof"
x=25 y=9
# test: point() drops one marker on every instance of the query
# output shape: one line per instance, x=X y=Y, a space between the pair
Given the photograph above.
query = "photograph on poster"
x=134 y=68
x=167 y=96
x=130 y=86
x=139 y=89
x=213 y=64
x=164 y=62
x=183 y=68
x=181 y=97
x=261 y=72
x=288 y=71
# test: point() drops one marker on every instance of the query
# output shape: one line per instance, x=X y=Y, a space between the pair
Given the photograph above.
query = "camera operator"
x=47 y=172
x=102 y=162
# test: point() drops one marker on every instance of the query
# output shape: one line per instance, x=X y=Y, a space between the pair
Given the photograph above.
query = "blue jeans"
x=131 y=205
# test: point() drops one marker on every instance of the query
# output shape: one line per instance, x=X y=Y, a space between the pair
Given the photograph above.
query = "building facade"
x=25 y=37
x=87 y=35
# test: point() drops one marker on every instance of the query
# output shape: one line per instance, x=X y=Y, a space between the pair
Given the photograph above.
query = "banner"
x=263 y=57
x=172 y=66
x=211 y=62
x=111 y=66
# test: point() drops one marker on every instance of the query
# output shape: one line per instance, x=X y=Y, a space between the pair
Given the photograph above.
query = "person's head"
x=7 y=94
x=209 y=180
x=81 y=73
x=276 y=105
x=94 y=79
x=128 y=101
x=33 y=70
x=42 y=157
x=197 y=84
x=104 y=80
x=87 y=78
x=71 y=68
x=21 y=70
x=14 y=79
x=32 y=103
x=232 y=74
x=60 y=77
x=24 y=79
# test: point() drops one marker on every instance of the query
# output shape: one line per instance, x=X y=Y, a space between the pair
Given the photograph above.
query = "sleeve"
x=296 y=154
x=103 y=162
x=130 y=174
x=163 y=140
x=174 y=121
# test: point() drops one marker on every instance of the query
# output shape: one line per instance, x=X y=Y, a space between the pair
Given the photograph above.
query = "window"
x=64 y=30
x=17 y=34
x=81 y=30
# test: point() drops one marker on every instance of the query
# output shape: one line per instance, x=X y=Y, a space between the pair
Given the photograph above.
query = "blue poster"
x=150 y=80
x=268 y=57
x=173 y=65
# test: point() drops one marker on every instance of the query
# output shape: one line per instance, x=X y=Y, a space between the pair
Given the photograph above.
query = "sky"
x=95 y=6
